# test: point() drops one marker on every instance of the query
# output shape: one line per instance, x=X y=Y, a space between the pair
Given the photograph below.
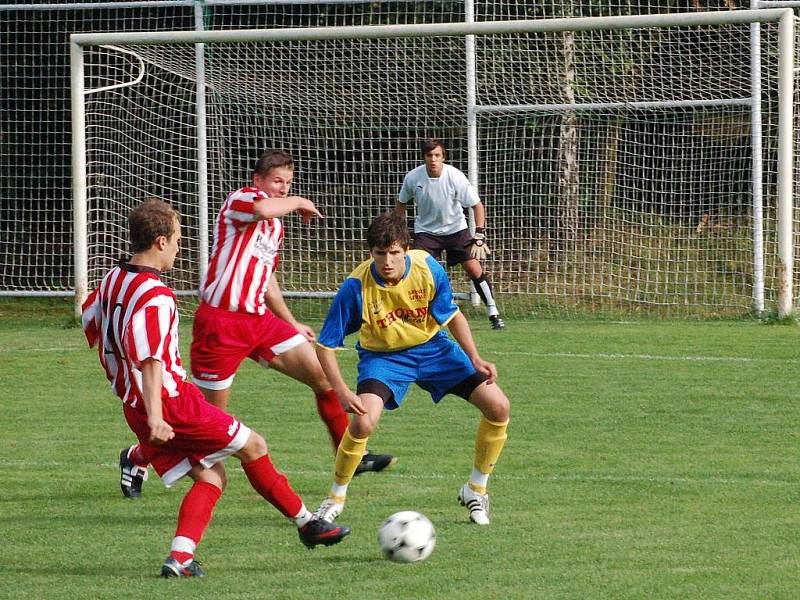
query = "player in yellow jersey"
x=399 y=300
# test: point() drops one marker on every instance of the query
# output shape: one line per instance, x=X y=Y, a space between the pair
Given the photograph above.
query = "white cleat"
x=477 y=504
x=329 y=510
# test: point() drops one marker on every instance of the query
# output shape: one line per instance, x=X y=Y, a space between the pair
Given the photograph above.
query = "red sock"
x=137 y=456
x=195 y=515
x=333 y=415
x=273 y=486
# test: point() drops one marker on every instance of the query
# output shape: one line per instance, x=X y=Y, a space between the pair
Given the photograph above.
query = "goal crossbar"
x=434 y=29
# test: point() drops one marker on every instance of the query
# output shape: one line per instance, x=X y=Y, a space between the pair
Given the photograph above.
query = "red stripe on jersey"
x=153 y=329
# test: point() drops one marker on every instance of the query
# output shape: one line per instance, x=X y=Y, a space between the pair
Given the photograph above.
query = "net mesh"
x=599 y=196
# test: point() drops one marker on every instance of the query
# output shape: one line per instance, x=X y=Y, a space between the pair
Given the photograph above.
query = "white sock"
x=339 y=491
x=303 y=516
x=181 y=543
x=478 y=479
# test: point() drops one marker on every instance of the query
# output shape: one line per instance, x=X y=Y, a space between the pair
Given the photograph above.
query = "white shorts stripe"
x=183 y=467
x=287 y=345
x=222 y=384
x=236 y=444
x=176 y=472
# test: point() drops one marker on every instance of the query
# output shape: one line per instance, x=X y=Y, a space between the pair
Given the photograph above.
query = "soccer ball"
x=407 y=536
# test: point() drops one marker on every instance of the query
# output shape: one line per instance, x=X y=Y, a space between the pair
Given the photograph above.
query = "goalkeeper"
x=399 y=301
x=441 y=193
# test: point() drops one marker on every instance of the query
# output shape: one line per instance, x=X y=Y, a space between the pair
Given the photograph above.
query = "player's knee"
x=318 y=381
x=222 y=483
x=215 y=475
x=501 y=409
x=255 y=448
x=492 y=403
x=362 y=426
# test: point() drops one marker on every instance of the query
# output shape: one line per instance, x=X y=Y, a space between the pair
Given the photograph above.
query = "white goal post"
x=595 y=233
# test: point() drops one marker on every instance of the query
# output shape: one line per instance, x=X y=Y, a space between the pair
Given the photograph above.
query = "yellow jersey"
x=391 y=317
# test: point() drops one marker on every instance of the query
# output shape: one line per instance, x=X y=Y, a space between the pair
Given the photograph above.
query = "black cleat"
x=374 y=463
x=172 y=568
x=497 y=322
x=130 y=476
x=317 y=532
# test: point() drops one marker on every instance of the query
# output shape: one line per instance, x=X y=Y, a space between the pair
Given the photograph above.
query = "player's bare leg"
x=301 y=363
x=489 y=442
x=218 y=398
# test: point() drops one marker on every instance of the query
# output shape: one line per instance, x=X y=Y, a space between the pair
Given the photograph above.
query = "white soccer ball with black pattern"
x=407 y=536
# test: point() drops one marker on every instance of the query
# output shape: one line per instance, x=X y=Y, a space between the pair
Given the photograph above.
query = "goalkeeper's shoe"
x=374 y=462
x=329 y=510
x=477 y=504
x=318 y=531
x=131 y=476
x=497 y=322
x=173 y=568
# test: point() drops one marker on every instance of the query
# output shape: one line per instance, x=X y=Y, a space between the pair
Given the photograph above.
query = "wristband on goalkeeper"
x=479 y=250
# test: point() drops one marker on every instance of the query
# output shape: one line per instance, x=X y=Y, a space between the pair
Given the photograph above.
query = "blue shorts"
x=437 y=366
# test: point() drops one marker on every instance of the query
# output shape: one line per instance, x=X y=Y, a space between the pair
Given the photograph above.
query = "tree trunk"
x=565 y=228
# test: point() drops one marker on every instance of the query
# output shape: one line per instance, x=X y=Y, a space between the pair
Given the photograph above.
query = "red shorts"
x=204 y=434
x=222 y=339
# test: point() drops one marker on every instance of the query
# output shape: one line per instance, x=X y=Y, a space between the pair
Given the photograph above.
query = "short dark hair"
x=150 y=220
x=433 y=143
x=386 y=229
x=273 y=159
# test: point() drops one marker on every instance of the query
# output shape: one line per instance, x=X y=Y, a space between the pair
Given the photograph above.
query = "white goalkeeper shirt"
x=440 y=200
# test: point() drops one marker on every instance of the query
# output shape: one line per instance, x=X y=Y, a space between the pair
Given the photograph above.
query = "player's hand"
x=487 y=368
x=351 y=402
x=306 y=331
x=308 y=211
x=160 y=432
x=479 y=250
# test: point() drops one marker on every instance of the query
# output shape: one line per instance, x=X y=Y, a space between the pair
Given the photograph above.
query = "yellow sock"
x=489 y=442
x=348 y=455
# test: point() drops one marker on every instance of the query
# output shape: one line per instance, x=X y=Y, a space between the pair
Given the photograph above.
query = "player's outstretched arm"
x=330 y=365
x=160 y=430
x=459 y=328
x=278 y=207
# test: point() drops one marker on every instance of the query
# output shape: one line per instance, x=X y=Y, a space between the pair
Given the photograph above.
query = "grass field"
x=644 y=460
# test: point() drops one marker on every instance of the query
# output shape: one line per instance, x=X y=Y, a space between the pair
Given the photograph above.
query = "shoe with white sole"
x=477 y=504
x=329 y=510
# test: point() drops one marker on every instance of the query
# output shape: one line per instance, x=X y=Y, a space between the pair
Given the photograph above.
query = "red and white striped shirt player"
x=242 y=313
x=245 y=254
x=133 y=316
x=133 y=319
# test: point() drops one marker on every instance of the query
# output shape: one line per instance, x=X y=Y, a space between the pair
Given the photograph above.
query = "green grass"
x=644 y=460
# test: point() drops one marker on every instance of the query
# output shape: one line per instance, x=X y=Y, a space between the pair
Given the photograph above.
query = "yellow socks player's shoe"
x=330 y=509
x=477 y=504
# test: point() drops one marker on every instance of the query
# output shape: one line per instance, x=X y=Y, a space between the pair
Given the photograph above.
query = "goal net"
x=616 y=165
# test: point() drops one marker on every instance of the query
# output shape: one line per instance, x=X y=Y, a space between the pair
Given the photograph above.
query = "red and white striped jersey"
x=244 y=256
x=132 y=316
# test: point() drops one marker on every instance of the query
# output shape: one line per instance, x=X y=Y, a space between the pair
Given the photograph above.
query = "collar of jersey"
x=380 y=281
x=126 y=266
